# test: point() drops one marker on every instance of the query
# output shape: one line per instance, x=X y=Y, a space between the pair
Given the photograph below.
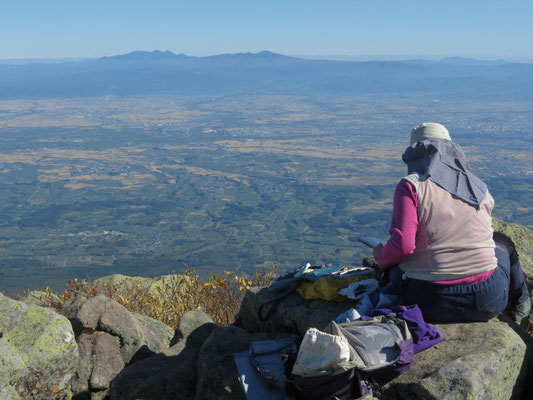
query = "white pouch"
x=320 y=351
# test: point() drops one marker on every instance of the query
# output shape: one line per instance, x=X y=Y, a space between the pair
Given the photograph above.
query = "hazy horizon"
x=332 y=57
x=61 y=28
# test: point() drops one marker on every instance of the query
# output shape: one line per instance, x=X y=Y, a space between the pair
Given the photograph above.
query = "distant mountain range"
x=158 y=72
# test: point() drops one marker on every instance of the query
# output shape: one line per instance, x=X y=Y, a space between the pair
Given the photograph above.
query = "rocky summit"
x=94 y=348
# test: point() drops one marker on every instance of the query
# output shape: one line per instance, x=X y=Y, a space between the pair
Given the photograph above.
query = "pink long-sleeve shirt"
x=403 y=230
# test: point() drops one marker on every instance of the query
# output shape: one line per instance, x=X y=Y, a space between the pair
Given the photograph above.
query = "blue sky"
x=94 y=28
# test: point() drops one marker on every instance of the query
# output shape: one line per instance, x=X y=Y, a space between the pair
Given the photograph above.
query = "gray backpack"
x=381 y=348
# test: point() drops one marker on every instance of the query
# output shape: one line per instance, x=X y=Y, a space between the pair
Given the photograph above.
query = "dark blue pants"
x=477 y=302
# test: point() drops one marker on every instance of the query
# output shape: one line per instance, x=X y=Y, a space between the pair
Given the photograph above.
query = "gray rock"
x=155 y=286
x=80 y=382
x=134 y=331
x=8 y=393
x=123 y=282
x=163 y=376
x=40 y=298
x=292 y=314
x=100 y=395
x=109 y=337
x=217 y=373
x=119 y=322
x=157 y=335
x=523 y=240
x=492 y=360
x=192 y=320
x=106 y=360
x=104 y=314
x=38 y=352
x=84 y=313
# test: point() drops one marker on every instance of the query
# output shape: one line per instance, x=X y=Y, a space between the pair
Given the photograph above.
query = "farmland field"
x=144 y=186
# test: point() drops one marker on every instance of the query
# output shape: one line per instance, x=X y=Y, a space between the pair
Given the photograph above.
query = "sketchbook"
x=371 y=241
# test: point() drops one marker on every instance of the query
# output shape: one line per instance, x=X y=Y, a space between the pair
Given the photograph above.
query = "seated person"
x=442 y=239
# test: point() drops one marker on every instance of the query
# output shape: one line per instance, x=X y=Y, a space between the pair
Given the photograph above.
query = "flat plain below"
x=148 y=185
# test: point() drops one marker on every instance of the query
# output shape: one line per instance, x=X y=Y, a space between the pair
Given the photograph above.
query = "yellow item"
x=326 y=288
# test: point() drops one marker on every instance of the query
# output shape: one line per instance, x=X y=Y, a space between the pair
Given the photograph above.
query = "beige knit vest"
x=453 y=240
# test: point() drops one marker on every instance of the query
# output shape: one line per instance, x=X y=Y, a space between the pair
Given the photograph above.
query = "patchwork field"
x=142 y=185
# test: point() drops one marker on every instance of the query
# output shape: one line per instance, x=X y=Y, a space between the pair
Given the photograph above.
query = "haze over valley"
x=148 y=163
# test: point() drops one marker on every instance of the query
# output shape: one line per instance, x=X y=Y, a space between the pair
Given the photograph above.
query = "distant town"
x=146 y=186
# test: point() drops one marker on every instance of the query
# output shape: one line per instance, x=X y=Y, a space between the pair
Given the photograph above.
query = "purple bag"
x=424 y=335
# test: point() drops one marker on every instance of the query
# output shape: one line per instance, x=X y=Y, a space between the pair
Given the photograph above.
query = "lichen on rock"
x=38 y=351
x=478 y=360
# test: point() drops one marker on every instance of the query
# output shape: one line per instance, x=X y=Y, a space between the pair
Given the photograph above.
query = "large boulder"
x=155 y=286
x=481 y=360
x=110 y=337
x=123 y=282
x=523 y=240
x=40 y=298
x=101 y=352
x=192 y=320
x=163 y=376
x=217 y=372
x=133 y=330
x=262 y=311
x=38 y=352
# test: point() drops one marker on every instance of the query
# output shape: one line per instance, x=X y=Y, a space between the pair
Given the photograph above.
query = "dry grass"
x=219 y=297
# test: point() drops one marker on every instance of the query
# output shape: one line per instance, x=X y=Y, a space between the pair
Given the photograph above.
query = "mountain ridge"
x=265 y=72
